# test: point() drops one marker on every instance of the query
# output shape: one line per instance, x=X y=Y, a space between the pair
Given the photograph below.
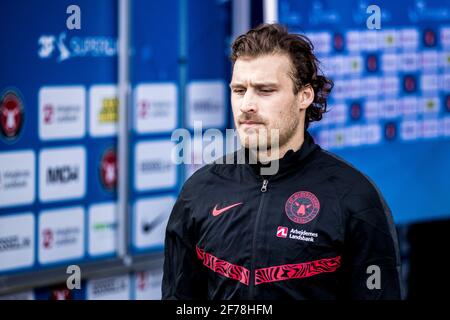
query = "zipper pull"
x=264 y=185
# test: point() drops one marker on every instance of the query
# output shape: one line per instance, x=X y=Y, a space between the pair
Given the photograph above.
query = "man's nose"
x=248 y=103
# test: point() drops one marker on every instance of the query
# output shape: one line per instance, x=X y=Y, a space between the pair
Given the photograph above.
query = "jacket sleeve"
x=183 y=277
x=371 y=260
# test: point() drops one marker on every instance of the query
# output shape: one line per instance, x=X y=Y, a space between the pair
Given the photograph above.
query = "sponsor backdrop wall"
x=58 y=131
x=390 y=107
x=390 y=116
x=58 y=117
x=179 y=76
x=144 y=285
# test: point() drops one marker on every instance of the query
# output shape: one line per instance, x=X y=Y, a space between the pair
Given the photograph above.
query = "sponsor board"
x=206 y=102
x=147 y=285
x=16 y=241
x=17 y=178
x=150 y=220
x=154 y=167
x=102 y=228
x=61 y=235
x=62 y=112
x=112 y=288
x=155 y=107
x=62 y=173
x=103 y=110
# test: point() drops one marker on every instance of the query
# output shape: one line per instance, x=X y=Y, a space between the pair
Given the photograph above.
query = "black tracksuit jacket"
x=318 y=229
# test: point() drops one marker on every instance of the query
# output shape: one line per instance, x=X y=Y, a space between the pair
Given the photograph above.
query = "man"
x=316 y=229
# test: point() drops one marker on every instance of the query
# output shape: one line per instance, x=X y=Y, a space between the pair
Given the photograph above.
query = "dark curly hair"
x=274 y=38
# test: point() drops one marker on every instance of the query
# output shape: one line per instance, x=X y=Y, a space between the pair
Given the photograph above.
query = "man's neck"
x=294 y=144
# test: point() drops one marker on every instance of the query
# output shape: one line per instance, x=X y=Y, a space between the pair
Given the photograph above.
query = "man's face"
x=262 y=99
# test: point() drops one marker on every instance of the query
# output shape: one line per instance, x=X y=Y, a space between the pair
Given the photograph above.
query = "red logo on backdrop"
x=282 y=232
x=144 y=108
x=11 y=115
x=355 y=111
x=429 y=38
x=409 y=83
x=47 y=238
x=390 y=131
x=48 y=113
x=372 y=63
x=141 y=280
x=338 y=41
x=61 y=294
x=108 y=169
x=302 y=207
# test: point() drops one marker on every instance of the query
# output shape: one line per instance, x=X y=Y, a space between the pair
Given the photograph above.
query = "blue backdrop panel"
x=39 y=51
x=390 y=108
x=155 y=72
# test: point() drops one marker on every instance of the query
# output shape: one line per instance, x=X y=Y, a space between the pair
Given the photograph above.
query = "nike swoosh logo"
x=216 y=212
x=149 y=226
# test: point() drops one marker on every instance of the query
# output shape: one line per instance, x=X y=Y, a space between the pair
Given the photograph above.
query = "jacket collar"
x=292 y=159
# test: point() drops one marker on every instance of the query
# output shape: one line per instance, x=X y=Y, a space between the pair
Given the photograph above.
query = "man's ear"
x=305 y=96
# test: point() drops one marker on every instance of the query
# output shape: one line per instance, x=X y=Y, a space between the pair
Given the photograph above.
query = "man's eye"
x=266 y=90
x=239 y=91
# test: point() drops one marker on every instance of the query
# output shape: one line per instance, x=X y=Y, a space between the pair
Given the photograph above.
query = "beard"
x=269 y=135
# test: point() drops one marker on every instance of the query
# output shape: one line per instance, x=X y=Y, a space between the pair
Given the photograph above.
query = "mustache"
x=249 y=117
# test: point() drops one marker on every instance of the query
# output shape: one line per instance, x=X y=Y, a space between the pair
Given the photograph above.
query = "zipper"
x=252 y=261
x=264 y=186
